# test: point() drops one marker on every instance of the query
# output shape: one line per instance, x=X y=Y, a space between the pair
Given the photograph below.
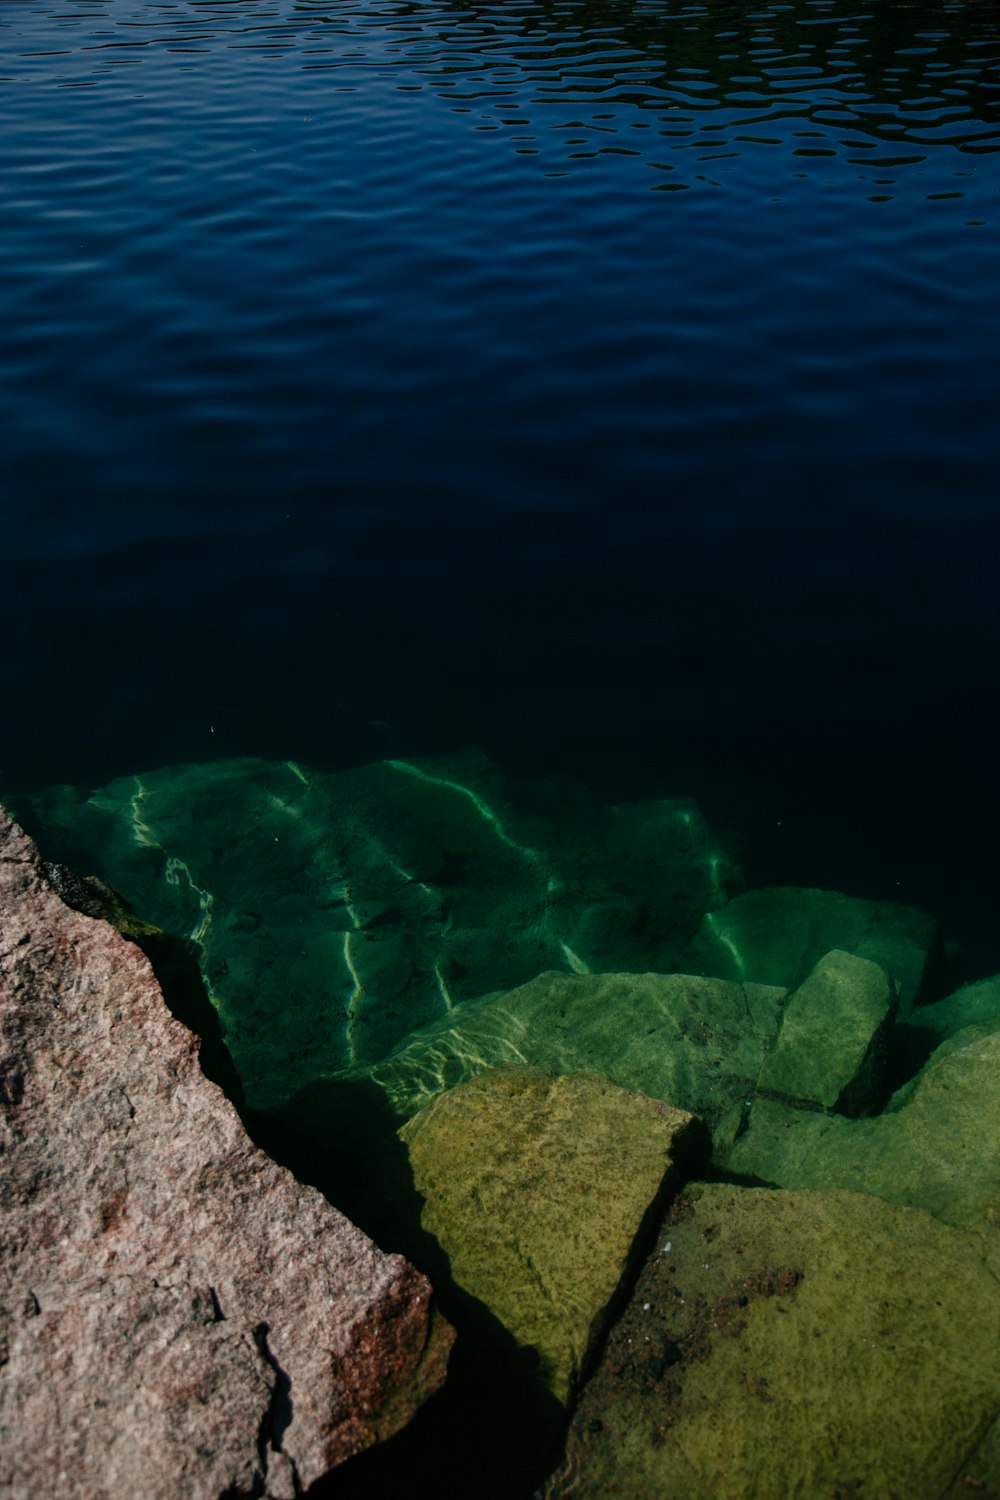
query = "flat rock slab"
x=937 y=1146
x=536 y=1187
x=696 y=1043
x=777 y=935
x=813 y=1344
x=832 y=1041
x=178 y=1316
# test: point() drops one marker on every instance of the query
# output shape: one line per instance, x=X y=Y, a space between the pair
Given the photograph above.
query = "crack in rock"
x=276 y=1420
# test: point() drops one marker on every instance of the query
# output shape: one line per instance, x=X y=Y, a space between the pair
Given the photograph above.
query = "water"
x=610 y=386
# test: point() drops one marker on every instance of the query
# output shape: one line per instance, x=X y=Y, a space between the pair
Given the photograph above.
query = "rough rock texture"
x=775 y=936
x=178 y=1316
x=536 y=1187
x=812 y=1344
x=381 y=898
x=936 y=1146
x=831 y=1046
x=698 y=1043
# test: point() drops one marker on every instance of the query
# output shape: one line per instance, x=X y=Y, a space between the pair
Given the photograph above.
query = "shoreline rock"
x=179 y=1317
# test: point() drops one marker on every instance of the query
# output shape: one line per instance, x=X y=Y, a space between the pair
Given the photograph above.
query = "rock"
x=831 y=1046
x=178 y=1316
x=796 y=1344
x=776 y=936
x=336 y=913
x=934 y=1148
x=972 y=1005
x=697 y=1043
x=537 y=1187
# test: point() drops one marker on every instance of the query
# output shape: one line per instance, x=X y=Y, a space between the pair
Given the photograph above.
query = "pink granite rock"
x=179 y=1317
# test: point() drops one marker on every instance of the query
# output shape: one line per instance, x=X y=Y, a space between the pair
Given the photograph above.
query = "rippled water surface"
x=611 y=385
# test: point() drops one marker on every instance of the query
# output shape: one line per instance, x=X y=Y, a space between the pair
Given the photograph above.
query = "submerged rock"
x=336 y=913
x=697 y=1043
x=973 y=1005
x=831 y=1047
x=776 y=936
x=935 y=1147
x=784 y=1343
x=537 y=1188
x=178 y=1316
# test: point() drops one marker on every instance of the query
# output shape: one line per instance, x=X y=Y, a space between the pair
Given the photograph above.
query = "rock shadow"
x=494 y=1429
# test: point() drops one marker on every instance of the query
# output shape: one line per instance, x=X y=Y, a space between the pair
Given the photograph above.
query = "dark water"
x=612 y=386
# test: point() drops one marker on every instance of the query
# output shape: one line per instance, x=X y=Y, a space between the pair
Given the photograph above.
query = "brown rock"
x=178 y=1315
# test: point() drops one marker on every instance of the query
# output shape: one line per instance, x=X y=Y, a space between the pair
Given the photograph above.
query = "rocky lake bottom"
x=706 y=1177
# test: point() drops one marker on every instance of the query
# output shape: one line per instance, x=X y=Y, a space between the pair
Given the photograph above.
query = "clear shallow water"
x=612 y=387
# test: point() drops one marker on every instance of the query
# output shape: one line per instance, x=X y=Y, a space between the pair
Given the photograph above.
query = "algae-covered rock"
x=937 y=1149
x=335 y=913
x=536 y=1187
x=926 y=1030
x=831 y=1044
x=973 y=1005
x=984 y=1459
x=696 y=1042
x=776 y=936
x=784 y=1343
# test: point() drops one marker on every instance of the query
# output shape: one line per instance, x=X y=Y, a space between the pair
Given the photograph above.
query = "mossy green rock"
x=811 y=1344
x=832 y=1039
x=698 y=1043
x=335 y=913
x=973 y=1005
x=937 y=1149
x=775 y=936
x=536 y=1188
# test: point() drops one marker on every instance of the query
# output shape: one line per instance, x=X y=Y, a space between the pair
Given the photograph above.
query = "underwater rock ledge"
x=340 y=916
x=179 y=1317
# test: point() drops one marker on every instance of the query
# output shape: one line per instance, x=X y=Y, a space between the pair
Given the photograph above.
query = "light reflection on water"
x=713 y=82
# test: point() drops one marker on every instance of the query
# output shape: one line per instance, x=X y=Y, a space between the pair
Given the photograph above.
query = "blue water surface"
x=611 y=385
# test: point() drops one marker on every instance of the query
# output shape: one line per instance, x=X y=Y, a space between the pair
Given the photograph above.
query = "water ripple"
x=511 y=314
